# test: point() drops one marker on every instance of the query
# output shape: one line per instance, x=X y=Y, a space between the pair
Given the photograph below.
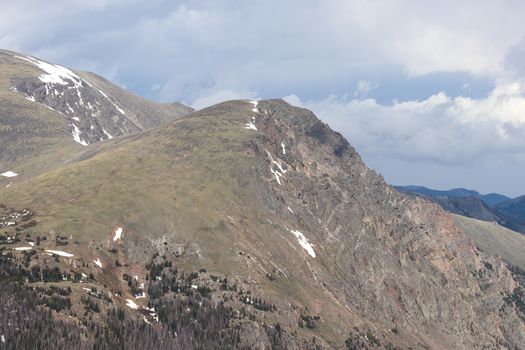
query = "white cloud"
x=363 y=88
x=293 y=100
x=440 y=129
x=249 y=46
x=213 y=96
x=204 y=52
x=441 y=49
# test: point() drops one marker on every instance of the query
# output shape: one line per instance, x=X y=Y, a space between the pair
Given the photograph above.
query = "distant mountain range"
x=513 y=211
x=494 y=207
x=490 y=199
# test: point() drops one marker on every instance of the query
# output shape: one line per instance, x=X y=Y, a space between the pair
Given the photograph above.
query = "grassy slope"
x=153 y=183
x=494 y=239
x=112 y=188
x=35 y=139
x=185 y=180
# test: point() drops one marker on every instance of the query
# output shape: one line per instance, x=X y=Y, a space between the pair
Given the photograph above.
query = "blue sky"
x=430 y=93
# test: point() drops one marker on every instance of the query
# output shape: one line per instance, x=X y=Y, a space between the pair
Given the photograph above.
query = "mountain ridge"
x=514 y=212
x=506 y=212
x=260 y=208
x=49 y=112
x=491 y=199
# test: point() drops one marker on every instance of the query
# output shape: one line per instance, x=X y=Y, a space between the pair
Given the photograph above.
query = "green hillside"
x=495 y=239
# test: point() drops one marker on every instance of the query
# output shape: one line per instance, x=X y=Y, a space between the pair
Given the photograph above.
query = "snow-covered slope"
x=93 y=114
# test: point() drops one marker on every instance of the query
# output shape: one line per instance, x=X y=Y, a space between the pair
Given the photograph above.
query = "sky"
x=429 y=92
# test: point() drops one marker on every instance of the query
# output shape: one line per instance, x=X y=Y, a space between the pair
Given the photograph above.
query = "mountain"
x=248 y=224
x=49 y=112
x=266 y=197
x=493 y=199
x=496 y=240
x=514 y=212
x=473 y=205
x=468 y=206
x=456 y=192
x=490 y=199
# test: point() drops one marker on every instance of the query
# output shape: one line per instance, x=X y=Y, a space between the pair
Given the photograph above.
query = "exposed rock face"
x=93 y=112
x=395 y=260
x=268 y=195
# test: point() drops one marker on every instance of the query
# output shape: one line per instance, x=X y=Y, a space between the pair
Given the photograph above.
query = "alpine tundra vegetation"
x=249 y=224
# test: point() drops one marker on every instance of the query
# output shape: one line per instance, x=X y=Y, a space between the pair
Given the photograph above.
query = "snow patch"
x=59 y=252
x=30 y=98
x=51 y=108
x=254 y=103
x=54 y=74
x=118 y=234
x=304 y=242
x=278 y=164
x=98 y=262
x=284 y=148
x=131 y=304
x=107 y=134
x=119 y=109
x=250 y=126
x=113 y=103
x=81 y=101
x=9 y=174
x=76 y=135
x=291 y=211
x=279 y=173
x=70 y=109
x=23 y=248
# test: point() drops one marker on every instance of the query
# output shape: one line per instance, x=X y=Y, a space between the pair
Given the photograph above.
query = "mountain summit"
x=258 y=212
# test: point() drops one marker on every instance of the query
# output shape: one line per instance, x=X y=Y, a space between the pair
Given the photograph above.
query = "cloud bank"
x=442 y=129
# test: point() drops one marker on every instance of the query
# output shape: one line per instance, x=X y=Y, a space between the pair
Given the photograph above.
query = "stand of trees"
x=187 y=317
